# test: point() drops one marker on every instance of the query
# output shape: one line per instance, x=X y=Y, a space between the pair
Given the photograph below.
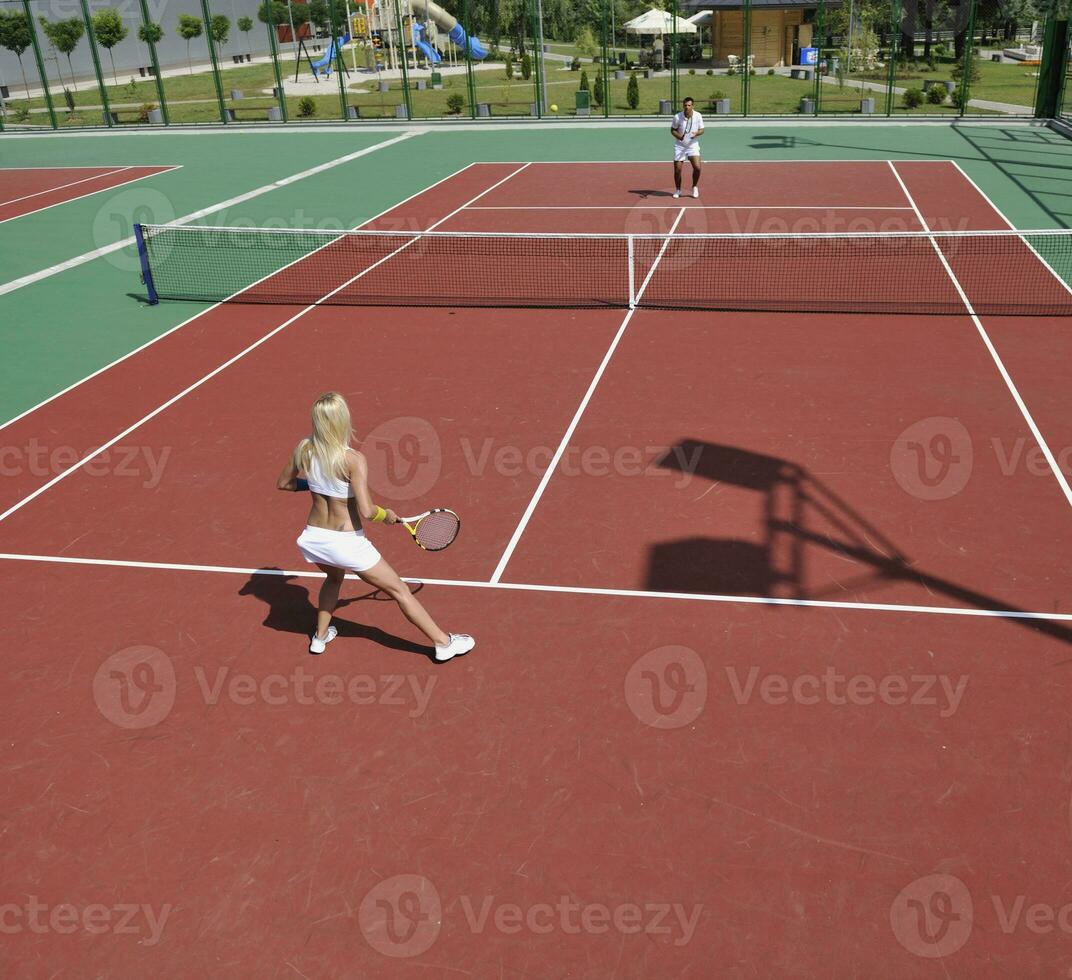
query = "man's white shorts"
x=681 y=151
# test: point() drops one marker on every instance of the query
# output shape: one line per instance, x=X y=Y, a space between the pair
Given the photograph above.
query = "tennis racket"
x=433 y=530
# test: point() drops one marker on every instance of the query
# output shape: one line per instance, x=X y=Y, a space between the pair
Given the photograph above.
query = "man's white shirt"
x=688 y=126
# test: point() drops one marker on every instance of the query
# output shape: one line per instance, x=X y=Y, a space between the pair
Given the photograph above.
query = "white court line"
x=1001 y=215
x=207 y=310
x=549 y=472
x=794 y=161
x=1054 y=467
x=60 y=187
x=564 y=589
x=691 y=207
x=10 y=287
x=99 y=190
x=257 y=343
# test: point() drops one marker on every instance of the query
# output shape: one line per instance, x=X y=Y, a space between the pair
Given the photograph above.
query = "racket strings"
x=436 y=531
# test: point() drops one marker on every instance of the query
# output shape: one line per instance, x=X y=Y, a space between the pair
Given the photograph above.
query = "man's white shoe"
x=696 y=192
x=317 y=645
x=677 y=193
x=458 y=645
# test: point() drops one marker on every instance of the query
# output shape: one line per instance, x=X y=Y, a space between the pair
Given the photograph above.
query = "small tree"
x=306 y=107
x=109 y=30
x=912 y=98
x=64 y=36
x=15 y=35
x=219 y=27
x=150 y=33
x=320 y=15
x=936 y=94
x=526 y=66
x=455 y=103
x=583 y=87
x=597 y=92
x=245 y=25
x=189 y=28
x=585 y=42
x=632 y=91
x=509 y=67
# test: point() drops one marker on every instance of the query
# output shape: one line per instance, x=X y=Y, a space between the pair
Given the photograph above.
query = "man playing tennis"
x=686 y=129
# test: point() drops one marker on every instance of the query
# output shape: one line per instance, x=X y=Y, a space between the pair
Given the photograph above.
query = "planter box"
x=867 y=106
x=156 y=117
x=619 y=76
x=665 y=107
x=807 y=107
x=722 y=107
x=141 y=71
x=532 y=109
x=584 y=111
x=421 y=84
x=950 y=87
x=277 y=93
x=353 y=112
x=483 y=109
x=238 y=58
x=400 y=112
x=236 y=95
x=384 y=86
x=438 y=87
x=582 y=100
x=275 y=114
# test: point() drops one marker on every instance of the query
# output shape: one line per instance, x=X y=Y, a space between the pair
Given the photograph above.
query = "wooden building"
x=780 y=28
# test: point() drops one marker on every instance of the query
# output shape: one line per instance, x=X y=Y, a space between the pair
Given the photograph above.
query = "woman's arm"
x=359 y=481
x=288 y=478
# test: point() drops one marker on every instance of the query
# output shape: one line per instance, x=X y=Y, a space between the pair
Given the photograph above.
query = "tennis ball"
x=554 y=108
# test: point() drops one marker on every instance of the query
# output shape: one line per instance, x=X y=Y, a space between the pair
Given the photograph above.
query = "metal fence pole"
x=207 y=14
x=40 y=64
x=155 y=64
x=96 y=64
x=895 y=50
x=969 y=59
x=340 y=65
x=273 y=48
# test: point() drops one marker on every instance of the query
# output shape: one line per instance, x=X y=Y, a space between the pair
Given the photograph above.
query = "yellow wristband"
x=380 y=515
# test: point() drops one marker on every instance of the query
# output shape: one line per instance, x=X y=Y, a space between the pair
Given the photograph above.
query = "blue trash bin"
x=809 y=56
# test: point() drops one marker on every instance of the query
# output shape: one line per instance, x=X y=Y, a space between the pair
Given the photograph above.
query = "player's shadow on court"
x=292 y=609
x=652 y=193
x=800 y=517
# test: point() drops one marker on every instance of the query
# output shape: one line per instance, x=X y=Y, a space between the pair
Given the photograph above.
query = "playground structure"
x=383 y=32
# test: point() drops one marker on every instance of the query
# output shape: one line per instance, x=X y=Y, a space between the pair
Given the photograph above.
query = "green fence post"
x=1052 y=70
x=156 y=65
x=87 y=20
x=673 y=55
x=746 y=80
x=820 y=29
x=340 y=65
x=537 y=58
x=40 y=64
x=895 y=50
x=605 y=67
x=969 y=58
x=470 y=84
x=273 y=47
x=404 y=57
x=207 y=14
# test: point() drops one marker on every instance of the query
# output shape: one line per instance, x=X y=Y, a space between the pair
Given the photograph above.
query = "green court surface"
x=66 y=325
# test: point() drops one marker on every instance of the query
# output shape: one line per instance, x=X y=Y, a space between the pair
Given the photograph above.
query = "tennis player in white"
x=687 y=128
x=336 y=476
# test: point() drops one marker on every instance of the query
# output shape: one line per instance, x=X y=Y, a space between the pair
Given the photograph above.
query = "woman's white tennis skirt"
x=342 y=549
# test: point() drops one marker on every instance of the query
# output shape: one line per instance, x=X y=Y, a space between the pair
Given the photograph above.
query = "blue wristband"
x=300 y=485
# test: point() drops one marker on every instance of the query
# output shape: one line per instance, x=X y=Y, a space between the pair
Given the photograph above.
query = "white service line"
x=745 y=600
x=257 y=343
x=1041 y=442
x=549 y=472
x=692 y=207
x=27 y=280
x=1001 y=215
x=207 y=310
x=60 y=187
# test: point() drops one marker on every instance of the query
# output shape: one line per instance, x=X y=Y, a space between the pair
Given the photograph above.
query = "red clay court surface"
x=24 y=190
x=644 y=769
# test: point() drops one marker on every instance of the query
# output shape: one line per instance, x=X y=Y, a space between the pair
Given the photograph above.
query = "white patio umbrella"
x=659 y=22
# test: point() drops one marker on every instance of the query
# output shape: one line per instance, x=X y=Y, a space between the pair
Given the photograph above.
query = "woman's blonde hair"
x=330 y=437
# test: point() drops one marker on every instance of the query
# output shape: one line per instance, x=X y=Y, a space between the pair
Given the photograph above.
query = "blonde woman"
x=337 y=477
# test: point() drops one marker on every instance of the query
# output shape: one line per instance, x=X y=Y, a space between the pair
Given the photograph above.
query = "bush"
x=455 y=103
x=957 y=98
x=692 y=71
x=936 y=94
x=306 y=107
x=509 y=67
x=68 y=97
x=583 y=87
x=526 y=66
x=597 y=92
x=770 y=71
x=752 y=71
x=717 y=95
x=912 y=98
x=575 y=64
x=958 y=71
x=710 y=71
x=732 y=70
x=632 y=91
x=22 y=114
x=144 y=110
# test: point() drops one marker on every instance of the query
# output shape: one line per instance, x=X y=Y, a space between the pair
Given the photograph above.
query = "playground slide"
x=455 y=31
x=420 y=41
x=328 y=60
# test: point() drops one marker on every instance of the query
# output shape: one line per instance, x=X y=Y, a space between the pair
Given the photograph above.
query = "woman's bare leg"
x=329 y=597
x=383 y=577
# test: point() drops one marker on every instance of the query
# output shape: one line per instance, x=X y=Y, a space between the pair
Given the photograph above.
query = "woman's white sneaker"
x=458 y=645
x=317 y=645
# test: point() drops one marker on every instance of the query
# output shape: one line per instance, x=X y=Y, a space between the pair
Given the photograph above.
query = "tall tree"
x=15 y=35
x=219 y=27
x=245 y=25
x=109 y=30
x=189 y=28
x=64 y=36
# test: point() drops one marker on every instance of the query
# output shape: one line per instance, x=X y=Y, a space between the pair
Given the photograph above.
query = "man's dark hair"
x=688 y=98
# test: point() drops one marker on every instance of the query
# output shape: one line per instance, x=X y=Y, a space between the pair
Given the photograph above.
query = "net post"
x=632 y=274
x=146 y=272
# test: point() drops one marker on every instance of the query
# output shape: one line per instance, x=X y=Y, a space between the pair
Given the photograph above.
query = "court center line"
x=27 y=280
x=563 y=589
x=82 y=197
x=237 y=357
x=546 y=478
x=209 y=309
x=1039 y=440
x=60 y=187
x=1001 y=214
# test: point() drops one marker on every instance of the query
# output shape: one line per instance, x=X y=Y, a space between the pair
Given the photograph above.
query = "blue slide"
x=325 y=63
x=465 y=41
x=420 y=42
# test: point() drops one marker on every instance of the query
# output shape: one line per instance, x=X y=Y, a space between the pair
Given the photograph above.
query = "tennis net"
x=1020 y=273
